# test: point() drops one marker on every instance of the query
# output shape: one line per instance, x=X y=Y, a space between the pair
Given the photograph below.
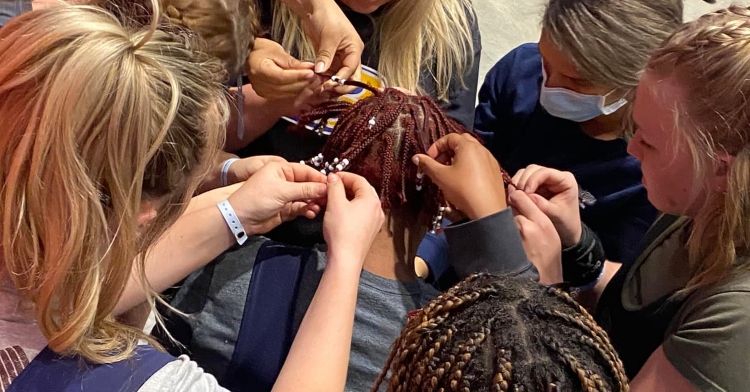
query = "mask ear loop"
x=240 y=109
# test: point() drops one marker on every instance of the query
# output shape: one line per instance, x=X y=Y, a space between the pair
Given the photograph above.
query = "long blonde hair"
x=97 y=119
x=411 y=35
x=610 y=41
x=710 y=59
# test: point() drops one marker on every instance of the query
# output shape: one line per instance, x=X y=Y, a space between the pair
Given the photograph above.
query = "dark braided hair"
x=377 y=137
x=492 y=333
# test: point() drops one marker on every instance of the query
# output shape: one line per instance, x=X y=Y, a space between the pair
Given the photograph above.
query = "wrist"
x=486 y=208
x=573 y=239
x=342 y=257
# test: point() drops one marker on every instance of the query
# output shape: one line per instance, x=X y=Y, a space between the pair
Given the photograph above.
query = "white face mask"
x=574 y=106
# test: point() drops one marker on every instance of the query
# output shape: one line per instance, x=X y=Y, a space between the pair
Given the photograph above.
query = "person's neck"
x=606 y=127
x=386 y=261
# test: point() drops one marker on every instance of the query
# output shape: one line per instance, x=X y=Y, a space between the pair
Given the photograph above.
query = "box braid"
x=377 y=137
x=492 y=333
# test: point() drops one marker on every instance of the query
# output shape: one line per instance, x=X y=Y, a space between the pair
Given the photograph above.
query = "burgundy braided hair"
x=376 y=137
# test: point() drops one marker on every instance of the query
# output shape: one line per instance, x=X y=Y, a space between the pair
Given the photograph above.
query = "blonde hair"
x=228 y=27
x=710 y=60
x=97 y=119
x=437 y=34
x=610 y=41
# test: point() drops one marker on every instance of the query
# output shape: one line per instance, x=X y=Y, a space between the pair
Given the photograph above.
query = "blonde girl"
x=678 y=316
x=107 y=130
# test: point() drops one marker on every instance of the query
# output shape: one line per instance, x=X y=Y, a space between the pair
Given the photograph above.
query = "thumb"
x=336 y=190
x=300 y=191
x=544 y=205
x=324 y=56
x=429 y=166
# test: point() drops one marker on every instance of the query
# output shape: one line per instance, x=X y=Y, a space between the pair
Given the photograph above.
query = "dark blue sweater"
x=519 y=132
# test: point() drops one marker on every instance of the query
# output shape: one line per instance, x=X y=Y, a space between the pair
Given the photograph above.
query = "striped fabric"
x=12 y=361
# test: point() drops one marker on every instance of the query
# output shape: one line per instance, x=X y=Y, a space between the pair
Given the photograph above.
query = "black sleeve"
x=491 y=244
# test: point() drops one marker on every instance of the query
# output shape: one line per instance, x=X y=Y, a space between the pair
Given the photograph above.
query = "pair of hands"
x=273 y=191
x=275 y=74
x=545 y=206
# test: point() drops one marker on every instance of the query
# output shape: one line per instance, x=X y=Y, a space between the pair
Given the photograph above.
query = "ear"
x=147 y=213
x=723 y=165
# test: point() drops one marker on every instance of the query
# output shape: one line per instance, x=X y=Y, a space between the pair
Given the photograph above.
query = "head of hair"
x=437 y=34
x=228 y=27
x=493 y=333
x=378 y=136
x=610 y=41
x=709 y=59
x=99 y=121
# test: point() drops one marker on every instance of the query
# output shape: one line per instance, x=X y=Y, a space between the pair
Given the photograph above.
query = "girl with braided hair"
x=245 y=306
x=678 y=315
x=492 y=333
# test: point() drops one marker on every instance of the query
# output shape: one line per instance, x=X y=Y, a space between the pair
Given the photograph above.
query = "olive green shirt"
x=708 y=339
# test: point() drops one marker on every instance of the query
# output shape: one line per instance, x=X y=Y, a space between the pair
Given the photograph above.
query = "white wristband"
x=225 y=170
x=233 y=222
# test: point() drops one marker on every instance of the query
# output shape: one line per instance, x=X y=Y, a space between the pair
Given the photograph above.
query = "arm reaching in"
x=319 y=357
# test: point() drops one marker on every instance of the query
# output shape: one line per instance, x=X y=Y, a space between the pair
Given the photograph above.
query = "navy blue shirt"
x=519 y=132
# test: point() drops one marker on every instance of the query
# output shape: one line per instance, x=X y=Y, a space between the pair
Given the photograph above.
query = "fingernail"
x=320 y=66
x=415 y=159
x=333 y=178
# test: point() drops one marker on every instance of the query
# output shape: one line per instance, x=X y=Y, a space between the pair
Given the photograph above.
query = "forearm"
x=212 y=180
x=319 y=356
x=192 y=242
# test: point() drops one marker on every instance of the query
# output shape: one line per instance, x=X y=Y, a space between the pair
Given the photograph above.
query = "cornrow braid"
x=377 y=137
x=492 y=333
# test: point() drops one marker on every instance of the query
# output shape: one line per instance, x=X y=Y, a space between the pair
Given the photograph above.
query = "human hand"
x=556 y=194
x=473 y=182
x=274 y=73
x=350 y=225
x=244 y=168
x=276 y=193
x=540 y=239
x=337 y=44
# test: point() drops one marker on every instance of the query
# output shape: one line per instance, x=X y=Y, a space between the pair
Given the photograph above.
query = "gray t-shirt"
x=12 y=8
x=215 y=303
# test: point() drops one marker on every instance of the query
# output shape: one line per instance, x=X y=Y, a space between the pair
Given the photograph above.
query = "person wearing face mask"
x=566 y=102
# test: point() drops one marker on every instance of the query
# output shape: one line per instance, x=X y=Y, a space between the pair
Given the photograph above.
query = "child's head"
x=106 y=130
x=693 y=139
x=377 y=138
x=503 y=334
x=228 y=27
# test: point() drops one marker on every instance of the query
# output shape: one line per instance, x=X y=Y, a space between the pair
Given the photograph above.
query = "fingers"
x=526 y=207
x=429 y=166
x=300 y=208
x=450 y=144
x=357 y=185
x=336 y=191
x=297 y=172
x=535 y=177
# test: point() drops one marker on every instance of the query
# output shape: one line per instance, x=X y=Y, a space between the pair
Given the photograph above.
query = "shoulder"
x=710 y=336
x=181 y=375
x=517 y=76
x=524 y=61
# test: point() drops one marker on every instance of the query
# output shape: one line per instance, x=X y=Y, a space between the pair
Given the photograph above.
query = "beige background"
x=505 y=24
